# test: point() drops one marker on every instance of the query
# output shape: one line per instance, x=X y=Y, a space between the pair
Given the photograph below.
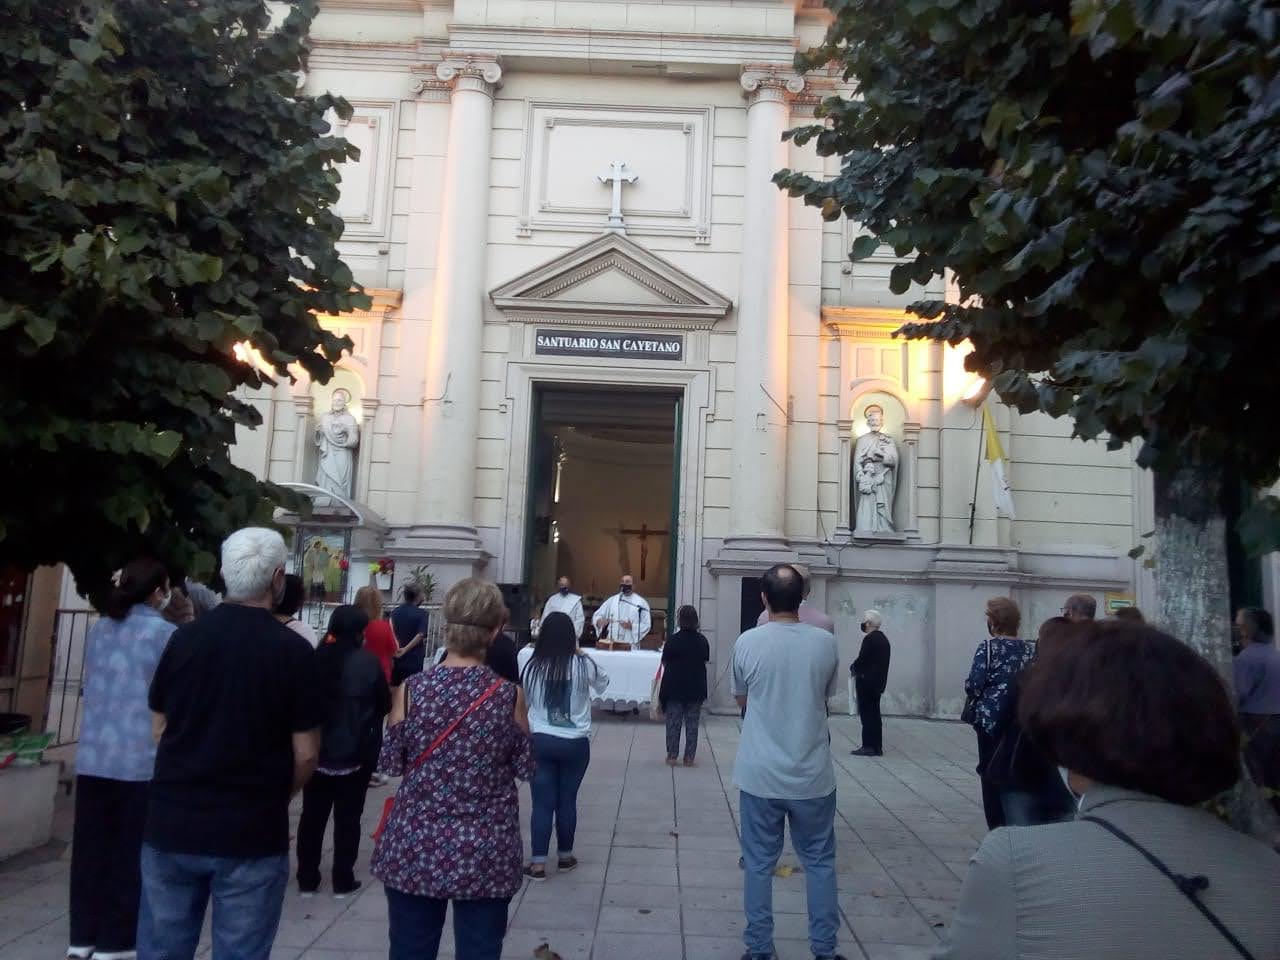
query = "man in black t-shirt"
x=409 y=624
x=236 y=712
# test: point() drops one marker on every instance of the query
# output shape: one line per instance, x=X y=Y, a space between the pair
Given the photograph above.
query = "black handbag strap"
x=1189 y=887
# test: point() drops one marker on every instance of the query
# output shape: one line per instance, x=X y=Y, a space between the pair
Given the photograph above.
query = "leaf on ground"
x=783 y=871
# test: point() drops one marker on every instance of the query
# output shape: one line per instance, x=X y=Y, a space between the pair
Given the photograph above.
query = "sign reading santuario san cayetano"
x=617 y=346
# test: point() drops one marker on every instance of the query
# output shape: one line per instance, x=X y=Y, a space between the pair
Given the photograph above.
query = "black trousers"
x=992 y=804
x=106 y=862
x=869 y=713
x=344 y=797
x=684 y=715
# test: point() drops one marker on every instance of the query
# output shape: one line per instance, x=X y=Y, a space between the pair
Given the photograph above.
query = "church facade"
x=602 y=342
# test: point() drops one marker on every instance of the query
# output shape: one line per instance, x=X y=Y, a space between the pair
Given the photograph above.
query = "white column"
x=451 y=410
x=758 y=508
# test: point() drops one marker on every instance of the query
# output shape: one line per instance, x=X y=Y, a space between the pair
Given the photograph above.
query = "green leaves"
x=1100 y=180
x=153 y=214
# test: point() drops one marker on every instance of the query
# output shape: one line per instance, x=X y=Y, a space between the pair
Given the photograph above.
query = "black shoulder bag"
x=1189 y=887
x=970 y=712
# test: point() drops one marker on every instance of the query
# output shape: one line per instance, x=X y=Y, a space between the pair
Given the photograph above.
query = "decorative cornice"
x=428 y=87
x=384 y=301
x=475 y=72
x=770 y=83
x=865 y=323
x=545 y=293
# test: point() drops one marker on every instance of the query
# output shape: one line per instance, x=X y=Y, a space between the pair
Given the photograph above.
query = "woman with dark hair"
x=1144 y=731
x=289 y=604
x=459 y=735
x=559 y=680
x=684 y=684
x=114 y=762
x=356 y=697
x=996 y=662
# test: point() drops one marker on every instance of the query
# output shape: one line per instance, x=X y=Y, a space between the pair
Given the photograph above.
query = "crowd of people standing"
x=1100 y=739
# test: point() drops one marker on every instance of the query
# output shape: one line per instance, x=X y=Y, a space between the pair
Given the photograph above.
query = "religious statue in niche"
x=337 y=435
x=875 y=476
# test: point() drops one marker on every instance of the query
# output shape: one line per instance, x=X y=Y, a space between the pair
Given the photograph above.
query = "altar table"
x=631 y=674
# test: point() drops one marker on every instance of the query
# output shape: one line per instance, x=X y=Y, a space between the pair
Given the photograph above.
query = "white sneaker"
x=116 y=955
x=79 y=953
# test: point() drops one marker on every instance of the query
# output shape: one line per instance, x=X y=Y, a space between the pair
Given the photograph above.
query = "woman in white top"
x=559 y=682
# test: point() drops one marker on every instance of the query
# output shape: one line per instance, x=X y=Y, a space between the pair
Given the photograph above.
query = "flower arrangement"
x=344 y=563
x=382 y=567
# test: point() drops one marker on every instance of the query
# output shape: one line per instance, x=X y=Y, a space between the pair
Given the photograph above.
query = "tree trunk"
x=1191 y=562
x=1193 y=592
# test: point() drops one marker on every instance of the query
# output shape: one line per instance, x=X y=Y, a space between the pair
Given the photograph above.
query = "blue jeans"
x=813 y=835
x=248 y=895
x=417 y=922
x=560 y=765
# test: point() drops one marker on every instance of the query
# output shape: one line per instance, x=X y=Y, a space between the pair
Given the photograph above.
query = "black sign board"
x=617 y=346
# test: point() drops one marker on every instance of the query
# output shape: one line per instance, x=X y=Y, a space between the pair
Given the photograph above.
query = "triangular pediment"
x=608 y=281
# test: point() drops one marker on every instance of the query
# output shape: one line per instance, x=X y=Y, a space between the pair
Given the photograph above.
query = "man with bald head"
x=808 y=614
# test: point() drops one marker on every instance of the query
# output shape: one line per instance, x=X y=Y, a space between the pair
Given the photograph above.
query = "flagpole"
x=977 y=467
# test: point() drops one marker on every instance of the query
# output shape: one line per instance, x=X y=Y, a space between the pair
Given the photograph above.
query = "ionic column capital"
x=475 y=72
x=769 y=83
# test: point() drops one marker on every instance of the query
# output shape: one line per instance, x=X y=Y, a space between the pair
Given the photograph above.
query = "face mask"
x=1065 y=774
x=564 y=591
x=168 y=598
x=626 y=588
x=863 y=626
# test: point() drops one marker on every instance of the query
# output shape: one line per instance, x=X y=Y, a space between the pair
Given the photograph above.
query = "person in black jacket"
x=870 y=675
x=684 y=684
x=356 y=699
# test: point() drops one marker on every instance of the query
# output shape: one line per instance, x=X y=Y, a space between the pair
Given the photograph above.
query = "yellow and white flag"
x=1000 y=491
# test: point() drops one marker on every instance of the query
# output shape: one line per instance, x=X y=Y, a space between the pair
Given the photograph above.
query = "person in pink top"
x=808 y=614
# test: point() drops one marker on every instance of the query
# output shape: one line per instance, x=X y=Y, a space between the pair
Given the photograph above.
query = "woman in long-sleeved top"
x=114 y=762
x=453 y=834
x=1145 y=730
x=356 y=698
x=996 y=664
x=684 y=684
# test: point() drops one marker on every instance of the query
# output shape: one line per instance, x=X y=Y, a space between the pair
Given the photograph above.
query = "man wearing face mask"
x=236 y=709
x=567 y=602
x=870 y=675
x=625 y=616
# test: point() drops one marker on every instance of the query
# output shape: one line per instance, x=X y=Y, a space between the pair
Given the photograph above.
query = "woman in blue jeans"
x=559 y=681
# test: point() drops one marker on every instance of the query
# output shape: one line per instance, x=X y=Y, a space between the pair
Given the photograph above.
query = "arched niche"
x=313 y=400
x=905 y=430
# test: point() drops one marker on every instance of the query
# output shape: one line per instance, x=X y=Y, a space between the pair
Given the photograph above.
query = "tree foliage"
x=1103 y=177
x=165 y=193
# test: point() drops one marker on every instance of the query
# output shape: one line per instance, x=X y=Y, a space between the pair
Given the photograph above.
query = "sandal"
x=536 y=872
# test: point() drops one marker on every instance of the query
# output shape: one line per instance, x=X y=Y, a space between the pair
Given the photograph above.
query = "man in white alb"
x=566 y=602
x=625 y=616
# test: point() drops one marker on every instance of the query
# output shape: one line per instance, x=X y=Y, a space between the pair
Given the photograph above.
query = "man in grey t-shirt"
x=783 y=673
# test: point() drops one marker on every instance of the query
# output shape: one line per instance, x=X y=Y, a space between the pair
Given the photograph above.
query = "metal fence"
x=66 y=684
x=71 y=629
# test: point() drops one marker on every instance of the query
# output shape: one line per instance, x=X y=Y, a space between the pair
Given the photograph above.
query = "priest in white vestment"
x=565 y=601
x=625 y=616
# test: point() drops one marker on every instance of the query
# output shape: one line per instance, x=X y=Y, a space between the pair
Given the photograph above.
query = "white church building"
x=602 y=342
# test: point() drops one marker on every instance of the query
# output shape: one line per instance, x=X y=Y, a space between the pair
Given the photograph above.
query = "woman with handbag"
x=559 y=680
x=1145 y=733
x=459 y=736
x=1031 y=791
x=996 y=663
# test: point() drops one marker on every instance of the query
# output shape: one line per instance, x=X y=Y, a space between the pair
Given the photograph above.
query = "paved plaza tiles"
x=659 y=877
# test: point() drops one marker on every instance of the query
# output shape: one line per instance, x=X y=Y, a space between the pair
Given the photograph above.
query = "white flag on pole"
x=1000 y=491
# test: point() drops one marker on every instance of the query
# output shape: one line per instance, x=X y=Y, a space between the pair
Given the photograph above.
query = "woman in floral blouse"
x=454 y=829
x=996 y=664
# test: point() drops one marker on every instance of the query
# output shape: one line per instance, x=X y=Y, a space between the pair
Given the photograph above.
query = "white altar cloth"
x=631 y=674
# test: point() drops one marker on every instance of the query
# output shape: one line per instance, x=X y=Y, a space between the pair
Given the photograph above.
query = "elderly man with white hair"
x=870 y=676
x=236 y=713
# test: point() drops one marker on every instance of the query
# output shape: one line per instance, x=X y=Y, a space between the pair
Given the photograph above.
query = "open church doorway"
x=604 y=495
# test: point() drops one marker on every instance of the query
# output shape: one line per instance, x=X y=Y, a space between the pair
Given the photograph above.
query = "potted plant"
x=424 y=580
x=381 y=571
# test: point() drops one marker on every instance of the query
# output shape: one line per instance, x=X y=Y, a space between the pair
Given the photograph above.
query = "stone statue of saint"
x=337 y=436
x=875 y=476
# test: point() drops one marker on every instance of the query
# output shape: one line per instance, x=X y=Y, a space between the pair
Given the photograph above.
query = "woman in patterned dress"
x=454 y=830
x=996 y=664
